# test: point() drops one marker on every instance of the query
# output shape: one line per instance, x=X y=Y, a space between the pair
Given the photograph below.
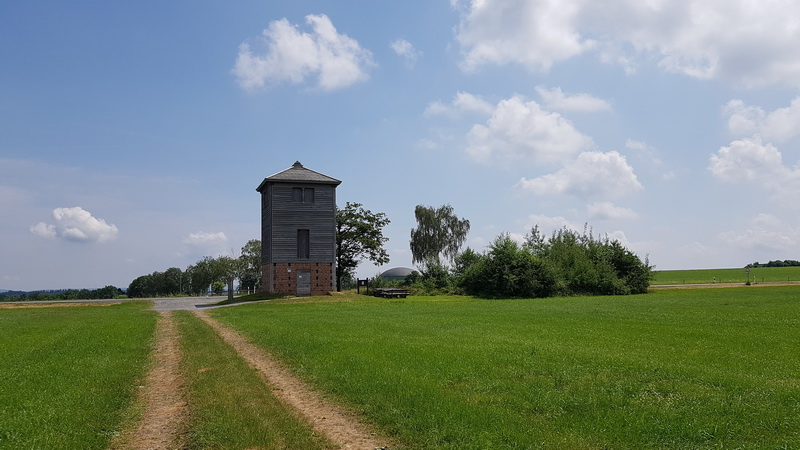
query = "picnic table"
x=391 y=292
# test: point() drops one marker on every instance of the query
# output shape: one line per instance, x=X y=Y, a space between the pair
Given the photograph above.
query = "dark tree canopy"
x=439 y=233
x=250 y=259
x=359 y=236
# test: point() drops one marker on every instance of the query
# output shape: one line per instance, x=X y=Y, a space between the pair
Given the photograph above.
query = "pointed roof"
x=298 y=174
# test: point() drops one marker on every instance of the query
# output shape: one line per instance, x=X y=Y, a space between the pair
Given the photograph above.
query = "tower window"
x=303 y=244
x=303 y=195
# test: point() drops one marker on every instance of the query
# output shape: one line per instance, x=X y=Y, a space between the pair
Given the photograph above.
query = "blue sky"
x=133 y=134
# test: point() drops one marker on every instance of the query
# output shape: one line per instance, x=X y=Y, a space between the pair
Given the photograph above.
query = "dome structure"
x=397 y=273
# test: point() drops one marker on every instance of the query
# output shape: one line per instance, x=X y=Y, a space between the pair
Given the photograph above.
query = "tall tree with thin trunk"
x=439 y=235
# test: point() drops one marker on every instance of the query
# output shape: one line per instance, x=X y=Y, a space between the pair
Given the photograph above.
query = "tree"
x=227 y=269
x=439 y=233
x=359 y=235
x=250 y=260
x=507 y=270
x=173 y=282
x=201 y=275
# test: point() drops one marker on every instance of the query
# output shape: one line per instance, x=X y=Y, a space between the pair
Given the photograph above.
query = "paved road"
x=161 y=304
x=185 y=303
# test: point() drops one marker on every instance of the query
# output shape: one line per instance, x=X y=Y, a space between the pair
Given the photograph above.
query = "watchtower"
x=298 y=232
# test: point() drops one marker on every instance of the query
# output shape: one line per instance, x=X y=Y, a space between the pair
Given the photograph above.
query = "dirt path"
x=163 y=423
x=339 y=426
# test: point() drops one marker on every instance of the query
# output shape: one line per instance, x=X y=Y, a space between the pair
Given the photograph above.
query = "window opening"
x=303 y=244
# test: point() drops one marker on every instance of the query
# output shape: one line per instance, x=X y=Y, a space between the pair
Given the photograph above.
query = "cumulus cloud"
x=780 y=125
x=75 y=224
x=406 y=50
x=764 y=231
x=547 y=225
x=610 y=211
x=752 y=43
x=591 y=175
x=558 y=101
x=203 y=239
x=44 y=230
x=293 y=56
x=463 y=102
x=747 y=160
x=521 y=130
x=536 y=34
x=750 y=160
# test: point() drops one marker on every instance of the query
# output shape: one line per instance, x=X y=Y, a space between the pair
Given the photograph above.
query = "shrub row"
x=568 y=263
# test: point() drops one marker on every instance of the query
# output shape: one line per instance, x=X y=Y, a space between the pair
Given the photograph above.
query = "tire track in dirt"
x=338 y=425
x=164 y=420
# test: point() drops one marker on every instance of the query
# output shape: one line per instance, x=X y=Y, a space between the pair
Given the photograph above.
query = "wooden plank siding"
x=282 y=217
x=291 y=200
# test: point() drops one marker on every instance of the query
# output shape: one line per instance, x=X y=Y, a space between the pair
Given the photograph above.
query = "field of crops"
x=710 y=276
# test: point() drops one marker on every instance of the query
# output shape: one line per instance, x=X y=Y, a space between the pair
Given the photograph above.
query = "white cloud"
x=44 y=230
x=609 y=211
x=749 y=160
x=76 y=224
x=752 y=43
x=547 y=225
x=523 y=131
x=406 y=50
x=291 y=56
x=591 y=175
x=645 y=150
x=463 y=102
x=557 y=100
x=202 y=238
x=764 y=231
x=780 y=125
x=746 y=160
x=536 y=34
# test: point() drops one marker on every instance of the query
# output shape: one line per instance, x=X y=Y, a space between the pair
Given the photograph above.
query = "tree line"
x=359 y=236
x=107 y=292
x=776 y=263
x=207 y=274
x=566 y=263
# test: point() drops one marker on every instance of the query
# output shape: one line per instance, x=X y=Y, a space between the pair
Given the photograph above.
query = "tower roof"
x=298 y=174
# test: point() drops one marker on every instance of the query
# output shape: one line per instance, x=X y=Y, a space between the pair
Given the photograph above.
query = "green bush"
x=569 y=263
x=507 y=270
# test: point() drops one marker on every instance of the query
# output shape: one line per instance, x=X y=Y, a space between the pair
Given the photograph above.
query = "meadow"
x=231 y=407
x=69 y=376
x=697 y=368
x=739 y=275
x=676 y=368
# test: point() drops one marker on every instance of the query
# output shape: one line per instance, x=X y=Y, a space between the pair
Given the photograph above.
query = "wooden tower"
x=298 y=232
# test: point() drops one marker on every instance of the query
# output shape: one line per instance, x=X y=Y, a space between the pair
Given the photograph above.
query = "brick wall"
x=285 y=282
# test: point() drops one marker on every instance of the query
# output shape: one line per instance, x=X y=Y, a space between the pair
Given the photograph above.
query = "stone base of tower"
x=282 y=278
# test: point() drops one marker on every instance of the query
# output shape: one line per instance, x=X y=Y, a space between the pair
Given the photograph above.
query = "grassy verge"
x=704 y=368
x=707 y=276
x=231 y=407
x=68 y=375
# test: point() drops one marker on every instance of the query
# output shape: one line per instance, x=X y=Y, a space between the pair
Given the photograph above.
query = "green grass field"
x=708 y=276
x=676 y=368
x=673 y=368
x=68 y=376
x=231 y=407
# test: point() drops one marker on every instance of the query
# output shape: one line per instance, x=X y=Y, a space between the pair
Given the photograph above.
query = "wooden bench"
x=391 y=292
